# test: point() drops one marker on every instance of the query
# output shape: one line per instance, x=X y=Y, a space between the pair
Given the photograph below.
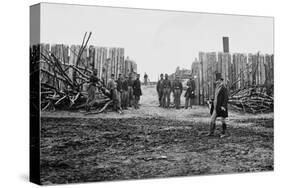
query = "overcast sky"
x=158 y=41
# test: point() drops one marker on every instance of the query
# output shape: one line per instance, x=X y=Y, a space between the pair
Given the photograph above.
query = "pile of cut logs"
x=72 y=97
x=253 y=99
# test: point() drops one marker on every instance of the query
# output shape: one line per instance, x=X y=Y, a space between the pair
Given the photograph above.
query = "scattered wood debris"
x=253 y=99
x=71 y=97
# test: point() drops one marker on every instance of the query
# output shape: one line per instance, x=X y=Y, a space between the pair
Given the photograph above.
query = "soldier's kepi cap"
x=218 y=76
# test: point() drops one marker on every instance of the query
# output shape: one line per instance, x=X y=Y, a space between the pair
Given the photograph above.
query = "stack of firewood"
x=254 y=99
x=72 y=97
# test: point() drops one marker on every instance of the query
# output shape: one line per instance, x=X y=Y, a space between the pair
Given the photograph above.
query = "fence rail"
x=107 y=61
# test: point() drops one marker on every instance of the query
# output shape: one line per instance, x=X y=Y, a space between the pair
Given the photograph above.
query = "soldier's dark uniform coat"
x=190 y=90
x=130 y=82
x=159 y=89
x=167 y=83
x=125 y=85
x=177 y=85
x=220 y=100
x=159 y=86
x=119 y=85
x=137 y=88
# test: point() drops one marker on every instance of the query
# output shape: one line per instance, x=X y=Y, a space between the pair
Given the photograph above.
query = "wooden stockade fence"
x=239 y=71
x=107 y=61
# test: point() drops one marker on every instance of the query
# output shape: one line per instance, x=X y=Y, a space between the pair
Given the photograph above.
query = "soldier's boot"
x=160 y=101
x=212 y=129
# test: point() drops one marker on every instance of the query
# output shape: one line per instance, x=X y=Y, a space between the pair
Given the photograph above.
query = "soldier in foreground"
x=220 y=106
x=166 y=92
x=112 y=87
x=137 y=91
x=159 y=89
x=177 y=90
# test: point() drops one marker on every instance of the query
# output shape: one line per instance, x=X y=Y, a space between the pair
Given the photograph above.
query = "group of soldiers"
x=125 y=91
x=165 y=87
x=218 y=105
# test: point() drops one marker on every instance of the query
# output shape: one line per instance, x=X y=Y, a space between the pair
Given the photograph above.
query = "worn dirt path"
x=149 y=108
x=150 y=142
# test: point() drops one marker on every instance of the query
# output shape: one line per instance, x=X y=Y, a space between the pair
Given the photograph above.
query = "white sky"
x=158 y=41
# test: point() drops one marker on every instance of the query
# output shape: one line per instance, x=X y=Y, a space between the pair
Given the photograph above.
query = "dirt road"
x=150 y=142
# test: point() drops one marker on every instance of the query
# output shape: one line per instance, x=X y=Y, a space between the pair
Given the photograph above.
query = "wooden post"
x=122 y=62
x=220 y=54
x=91 y=57
x=201 y=61
x=213 y=60
x=228 y=70
x=223 y=65
x=262 y=69
x=195 y=73
x=272 y=68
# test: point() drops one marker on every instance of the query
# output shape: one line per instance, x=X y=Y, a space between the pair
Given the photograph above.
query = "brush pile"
x=253 y=99
x=72 y=97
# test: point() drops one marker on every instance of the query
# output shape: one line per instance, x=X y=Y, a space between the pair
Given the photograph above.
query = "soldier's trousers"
x=188 y=101
x=130 y=96
x=213 y=123
x=177 y=95
x=116 y=99
x=136 y=101
x=125 y=99
x=166 y=97
x=160 y=95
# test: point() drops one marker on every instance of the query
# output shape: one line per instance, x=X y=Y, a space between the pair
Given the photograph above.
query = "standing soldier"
x=189 y=94
x=177 y=90
x=220 y=106
x=119 y=87
x=112 y=87
x=125 y=93
x=137 y=91
x=92 y=89
x=166 y=92
x=159 y=89
x=145 y=77
x=130 y=90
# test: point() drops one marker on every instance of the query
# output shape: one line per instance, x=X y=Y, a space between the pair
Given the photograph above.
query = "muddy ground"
x=150 y=143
